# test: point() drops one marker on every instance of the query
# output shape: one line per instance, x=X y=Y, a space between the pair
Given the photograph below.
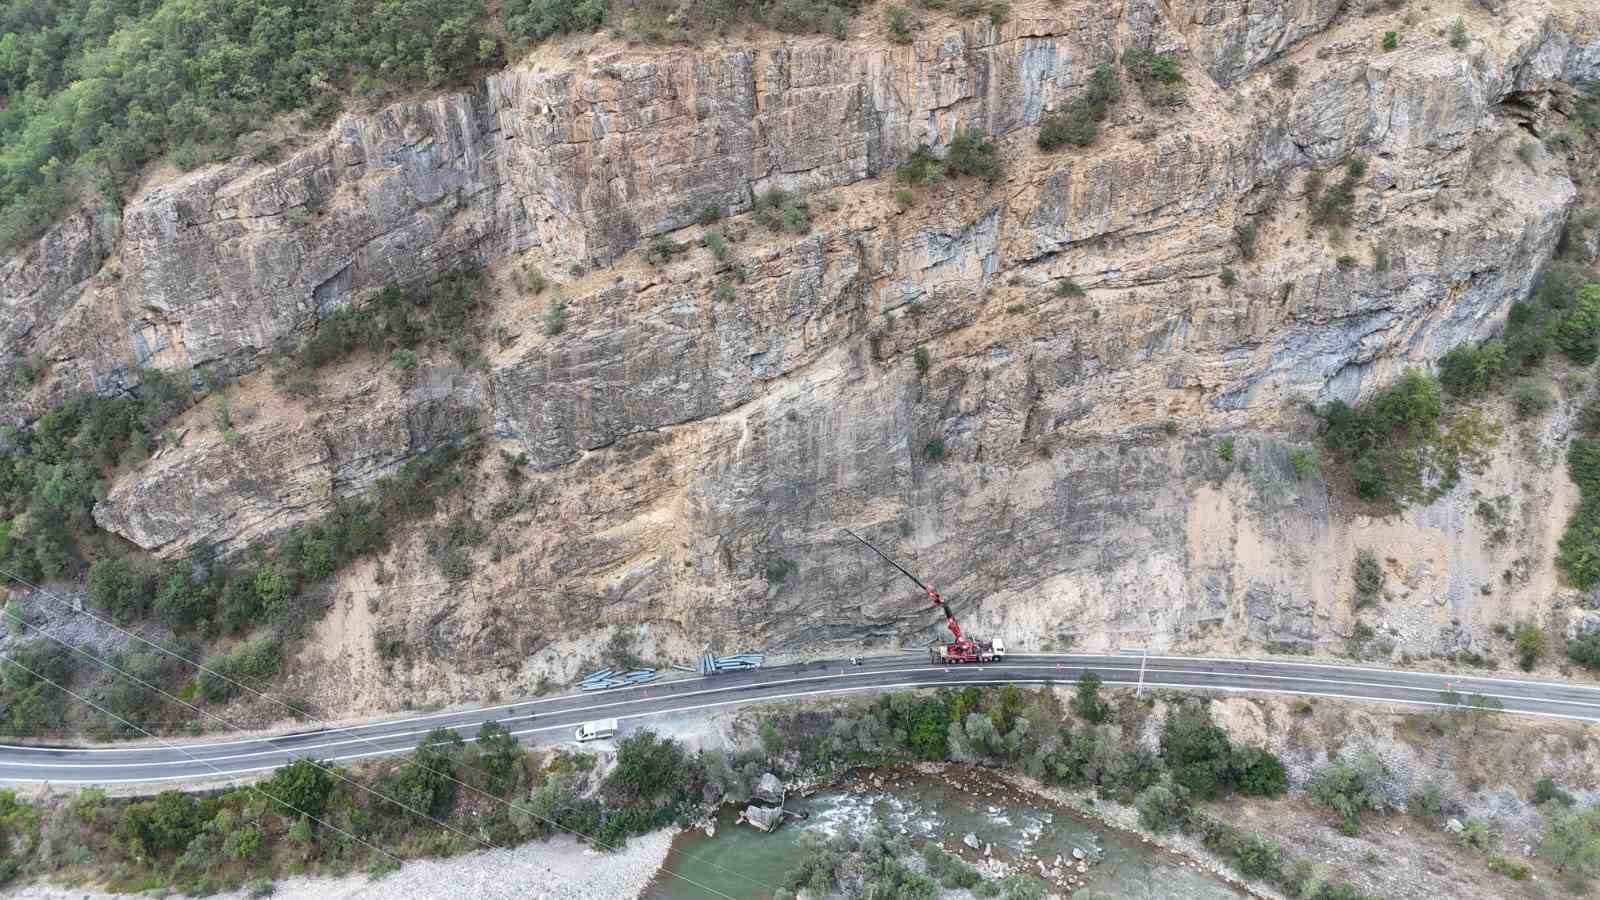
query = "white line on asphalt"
x=290 y=753
x=1315 y=665
x=743 y=700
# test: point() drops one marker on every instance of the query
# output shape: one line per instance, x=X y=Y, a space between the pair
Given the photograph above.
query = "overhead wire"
x=348 y=731
x=179 y=748
x=330 y=770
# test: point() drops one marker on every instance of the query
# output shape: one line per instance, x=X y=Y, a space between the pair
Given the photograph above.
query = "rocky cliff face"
x=699 y=425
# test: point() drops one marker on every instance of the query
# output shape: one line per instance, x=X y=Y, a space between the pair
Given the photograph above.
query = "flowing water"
x=741 y=862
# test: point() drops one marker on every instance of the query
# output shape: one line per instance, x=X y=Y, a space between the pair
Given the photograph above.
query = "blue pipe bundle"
x=710 y=665
x=610 y=678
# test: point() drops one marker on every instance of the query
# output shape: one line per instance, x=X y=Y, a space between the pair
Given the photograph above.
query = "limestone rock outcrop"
x=700 y=424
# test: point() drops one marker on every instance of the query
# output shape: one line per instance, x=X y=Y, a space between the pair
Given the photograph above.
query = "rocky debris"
x=55 y=613
x=971 y=840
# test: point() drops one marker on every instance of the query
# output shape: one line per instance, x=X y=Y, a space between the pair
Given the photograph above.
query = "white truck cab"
x=596 y=730
x=999 y=649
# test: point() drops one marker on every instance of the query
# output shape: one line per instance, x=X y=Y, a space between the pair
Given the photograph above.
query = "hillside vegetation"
x=92 y=90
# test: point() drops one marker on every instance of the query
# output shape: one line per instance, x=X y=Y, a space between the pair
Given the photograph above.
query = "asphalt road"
x=553 y=719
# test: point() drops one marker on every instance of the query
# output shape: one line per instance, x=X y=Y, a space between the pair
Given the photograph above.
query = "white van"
x=598 y=730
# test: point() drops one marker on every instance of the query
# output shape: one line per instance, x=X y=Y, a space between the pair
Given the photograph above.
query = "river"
x=1020 y=828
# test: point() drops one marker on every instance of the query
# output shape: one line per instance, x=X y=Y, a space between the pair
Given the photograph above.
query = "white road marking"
x=291 y=753
x=742 y=700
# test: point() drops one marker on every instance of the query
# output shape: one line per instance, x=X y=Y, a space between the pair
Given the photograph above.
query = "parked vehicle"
x=597 y=730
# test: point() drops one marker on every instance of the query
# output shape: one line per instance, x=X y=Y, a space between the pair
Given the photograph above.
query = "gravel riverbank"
x=559 y=869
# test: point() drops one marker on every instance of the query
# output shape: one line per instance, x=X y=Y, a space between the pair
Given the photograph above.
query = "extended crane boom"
x=949 y=617
x=962 y=649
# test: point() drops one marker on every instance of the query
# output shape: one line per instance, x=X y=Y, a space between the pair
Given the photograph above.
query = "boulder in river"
x=971 y=840
x=770 y=789
x=764 y=818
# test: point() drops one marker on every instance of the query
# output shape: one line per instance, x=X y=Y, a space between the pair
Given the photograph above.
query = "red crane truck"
x=961 y=650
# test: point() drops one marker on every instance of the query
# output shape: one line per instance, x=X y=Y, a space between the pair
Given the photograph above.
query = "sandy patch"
x=561 y=869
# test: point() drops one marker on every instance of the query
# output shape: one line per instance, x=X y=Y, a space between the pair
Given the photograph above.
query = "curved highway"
x=552 y=719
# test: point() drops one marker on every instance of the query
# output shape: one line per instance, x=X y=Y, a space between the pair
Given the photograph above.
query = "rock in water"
x=971 y=840
x=766 y=818
x=770 y=789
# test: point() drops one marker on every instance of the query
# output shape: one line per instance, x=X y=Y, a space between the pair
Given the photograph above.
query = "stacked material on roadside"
x=613 y=678
x=710 y=665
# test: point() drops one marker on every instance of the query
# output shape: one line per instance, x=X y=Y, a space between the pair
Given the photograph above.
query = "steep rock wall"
x=690 y=428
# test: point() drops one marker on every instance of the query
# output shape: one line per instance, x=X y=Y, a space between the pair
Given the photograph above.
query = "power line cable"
x=179 y=748
x=346 y=730
x=341 y=776
x=320 y=766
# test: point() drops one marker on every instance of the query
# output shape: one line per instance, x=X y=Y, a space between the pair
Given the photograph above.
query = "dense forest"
x=92 y=90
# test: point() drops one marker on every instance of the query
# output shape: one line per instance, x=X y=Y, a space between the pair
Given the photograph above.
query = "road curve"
x=552 y=719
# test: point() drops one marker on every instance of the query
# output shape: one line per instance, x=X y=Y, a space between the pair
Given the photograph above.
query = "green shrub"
x=425 y=786
x=1066 y=287
x=949 y=869
x=1394 y=445
x=1228 y=277
x=662 y=249
x=1470 y=369
x=1529 y=641
x=1578 y=551
x=1531 y=397
x=970 y=154
x=779 y=569
x=1158 y=75
x=555 y=319
x=1287 y=77
x=1391 y=40
x=1305 y=461
x=650 y=771
x=1336 y=205
x=1225 y=450
x=935 y=449
x=1571 y=841
x=249 y=663
x=922 y=359
x=120 y=587
x=1078 y=123
x=1458 y=34
x=1512 y=869
x=1087 y=702
x=717 y=243
x=1427 y=803
x=900 y=24
x=1197 y=751
x=1161 y=807
x=1349 y=786
x=1545 y=790
x=1258 y=772
x=920 y=168
x=779 y=211
x=1585 y=650
x=399 y=319
x=300 y=788
x=1245 y=236
x=1367 y=578
x=160 y=826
